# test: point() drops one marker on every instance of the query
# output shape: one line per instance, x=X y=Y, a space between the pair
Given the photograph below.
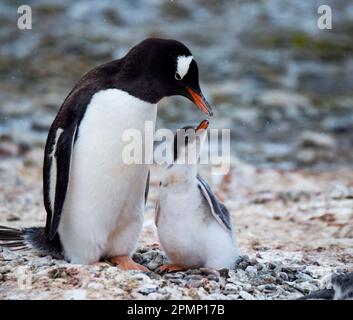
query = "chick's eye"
x=177 y=76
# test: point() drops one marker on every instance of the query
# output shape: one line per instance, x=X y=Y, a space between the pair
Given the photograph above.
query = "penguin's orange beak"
x=200 y=101
x=202 y=126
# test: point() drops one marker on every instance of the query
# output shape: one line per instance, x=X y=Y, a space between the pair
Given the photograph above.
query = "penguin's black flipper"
x=62 y=155
x=218 y=209
x=57 y=158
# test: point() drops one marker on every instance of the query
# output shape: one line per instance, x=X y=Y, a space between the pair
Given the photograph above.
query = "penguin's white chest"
x=188 y=232
x=105 y=198
x=180 y=226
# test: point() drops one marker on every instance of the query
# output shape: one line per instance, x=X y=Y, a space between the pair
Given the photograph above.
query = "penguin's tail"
x=12 y=238
x=28 y=238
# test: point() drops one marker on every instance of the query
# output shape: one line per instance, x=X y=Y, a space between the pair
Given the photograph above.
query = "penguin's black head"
x=159 y=68
x=188 y=135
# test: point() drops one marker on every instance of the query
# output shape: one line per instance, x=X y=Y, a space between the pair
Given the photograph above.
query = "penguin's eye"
x=177 y=76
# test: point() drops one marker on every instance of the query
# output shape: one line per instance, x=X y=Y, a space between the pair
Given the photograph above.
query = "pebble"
x=147 y=289
x=252 y=270
x=213 y=277
x=231 y=288
x=209 y=271
x=154 y=259
x=246 y=296
x=195 y=283
x=224 y=273
x=314 y=139
x=41 y=262
x=75 y=294
x=216 y=296
x=176 y=281
x=276 y=266
x=177 y=275
x=243 y=262
x=155 y=296
x=304 y=277
x=193 y=271
x=341 y=192
x=193 y=277
x=95 y=286
x=11 y=255
x=284 y=276
x=5 y=269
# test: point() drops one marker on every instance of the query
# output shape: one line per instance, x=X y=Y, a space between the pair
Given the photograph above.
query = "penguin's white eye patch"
x=182 y=67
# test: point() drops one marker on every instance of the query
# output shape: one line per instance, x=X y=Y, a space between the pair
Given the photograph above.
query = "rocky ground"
x=294 y=229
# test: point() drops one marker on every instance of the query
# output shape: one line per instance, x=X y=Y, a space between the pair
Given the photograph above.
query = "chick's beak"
x=202 y=126
x=200 y=101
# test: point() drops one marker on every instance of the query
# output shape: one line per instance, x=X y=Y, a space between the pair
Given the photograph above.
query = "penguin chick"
x=194 y=228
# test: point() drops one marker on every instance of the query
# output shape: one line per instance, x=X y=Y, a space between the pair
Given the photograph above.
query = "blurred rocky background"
x=282 y=85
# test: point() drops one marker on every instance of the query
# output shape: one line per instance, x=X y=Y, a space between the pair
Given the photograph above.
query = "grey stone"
x=173 y=275
x=213 y=277
x=147 y=289
x=224 y=273
x=194 y=283
x=231 y=288
x=251 y=270
x=193 y=277
x=313 y=139
x=246 y=295
x=208 y=271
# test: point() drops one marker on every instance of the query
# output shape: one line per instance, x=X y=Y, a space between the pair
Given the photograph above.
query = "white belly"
x=105 y=197
x=189 y=234
x=179 y=227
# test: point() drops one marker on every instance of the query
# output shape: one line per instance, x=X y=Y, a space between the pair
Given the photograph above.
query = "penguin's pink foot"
x=126 y=263
x=154 y=245
x=171 y=268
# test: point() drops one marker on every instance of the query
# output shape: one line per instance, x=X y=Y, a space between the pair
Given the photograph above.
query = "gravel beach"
x=294 y=230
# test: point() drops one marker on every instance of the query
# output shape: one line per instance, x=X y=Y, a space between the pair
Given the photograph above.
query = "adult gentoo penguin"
x=194 y=228
x=94 y=201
